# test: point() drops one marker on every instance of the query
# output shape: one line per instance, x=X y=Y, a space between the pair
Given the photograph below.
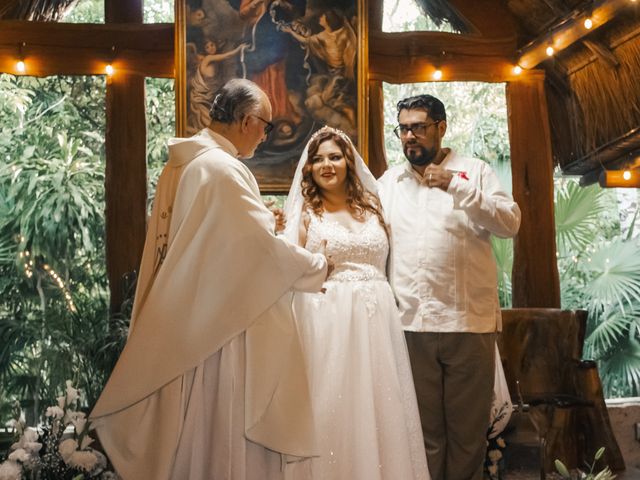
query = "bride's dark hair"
x=359 y=200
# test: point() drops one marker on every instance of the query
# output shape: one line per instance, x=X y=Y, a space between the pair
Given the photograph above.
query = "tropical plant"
x=54 y=317
x=600 y=271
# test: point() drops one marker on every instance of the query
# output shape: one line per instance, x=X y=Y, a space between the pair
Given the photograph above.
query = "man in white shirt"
x=442 y=209
x=211 y=383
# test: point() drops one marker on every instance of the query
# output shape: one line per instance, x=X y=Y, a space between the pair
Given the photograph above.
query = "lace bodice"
x=359 y=255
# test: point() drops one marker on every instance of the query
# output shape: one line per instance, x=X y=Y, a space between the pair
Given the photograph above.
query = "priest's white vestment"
x=211 y=383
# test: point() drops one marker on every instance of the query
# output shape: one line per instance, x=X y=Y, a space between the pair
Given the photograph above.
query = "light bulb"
x=626 y=175
x=437 y=75
x=20 y=66
x=517 y=70
x=109 y=70
x=588 y=23
x=550 y=51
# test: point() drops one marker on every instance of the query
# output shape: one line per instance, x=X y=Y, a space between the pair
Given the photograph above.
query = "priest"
x=211 y=382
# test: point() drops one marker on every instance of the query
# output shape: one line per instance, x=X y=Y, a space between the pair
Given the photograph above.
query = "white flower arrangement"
x=50 y=451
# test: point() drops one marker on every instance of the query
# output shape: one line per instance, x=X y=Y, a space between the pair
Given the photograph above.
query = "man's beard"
x=420 y=156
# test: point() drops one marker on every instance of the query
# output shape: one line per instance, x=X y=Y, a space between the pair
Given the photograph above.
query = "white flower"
x=492 y=469
x=86 y=460
x=72 y=393
x=55 y=412
x=10 y=470
x=79 y=423
x=28 y=442
x=30 y=435
x=67 y=448
x=61 y=401
x=494 y=455
x=500 y=442
x=19 y=455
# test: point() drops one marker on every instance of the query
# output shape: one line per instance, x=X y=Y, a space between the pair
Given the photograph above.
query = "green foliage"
x=604 y=474
x=57 y=327
x=599 y=267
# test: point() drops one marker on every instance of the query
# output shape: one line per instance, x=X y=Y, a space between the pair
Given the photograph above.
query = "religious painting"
x=302 y=53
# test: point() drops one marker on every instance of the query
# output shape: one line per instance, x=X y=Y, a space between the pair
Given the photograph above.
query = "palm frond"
x=503 y=253
x=616 y=275
x=623 y=367
x=611 y=327
x=576 y=214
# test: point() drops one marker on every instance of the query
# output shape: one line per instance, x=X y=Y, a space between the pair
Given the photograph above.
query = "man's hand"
x=436 y=176
x=278 y=213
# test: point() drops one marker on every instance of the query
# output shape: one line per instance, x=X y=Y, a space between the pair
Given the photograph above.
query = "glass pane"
x=86 y=11
x=406 y=16
x=598 y=241
x=476 y=126
x=158 y=11
x=53 y=286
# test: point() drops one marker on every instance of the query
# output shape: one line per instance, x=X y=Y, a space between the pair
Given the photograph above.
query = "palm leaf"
x=616 y=275
x=503 y=253
x=576 y=214
x=623 y=367
x=611 y=327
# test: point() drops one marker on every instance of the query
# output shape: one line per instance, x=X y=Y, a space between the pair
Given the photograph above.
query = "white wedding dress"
x=367 y=421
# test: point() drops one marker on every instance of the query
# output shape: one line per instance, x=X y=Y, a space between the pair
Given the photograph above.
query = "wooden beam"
x=85 y=49
x=421 y=69
x=490 y=18
x=434 y=43
x=413 y=57
x=377 y=159
x=376 y=13
x=603 y=52
x=607 y=155
x=126 y=171
x=569 y=30
x=123 y=11
x=535 y=271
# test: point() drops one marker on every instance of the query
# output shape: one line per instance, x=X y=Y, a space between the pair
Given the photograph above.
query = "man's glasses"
x=418 y=129
x=268 y=126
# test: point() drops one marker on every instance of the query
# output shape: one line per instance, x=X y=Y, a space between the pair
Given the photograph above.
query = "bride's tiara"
x=328 y=129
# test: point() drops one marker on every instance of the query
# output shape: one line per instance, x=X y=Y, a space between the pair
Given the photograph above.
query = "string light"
x=109 y=69
x=517 y=70
x=20 y=65
x=58 y=281
x=437 y=75
x=550 y=51
x=588 y=23
x=626 y=175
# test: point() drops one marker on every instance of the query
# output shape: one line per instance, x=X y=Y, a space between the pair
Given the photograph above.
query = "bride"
x=367 y=421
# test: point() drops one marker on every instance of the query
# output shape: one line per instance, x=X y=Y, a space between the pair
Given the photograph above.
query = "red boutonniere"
x=463 y=175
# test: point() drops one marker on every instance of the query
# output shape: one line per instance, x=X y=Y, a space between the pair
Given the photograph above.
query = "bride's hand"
x=330 y=265
x=278 y=213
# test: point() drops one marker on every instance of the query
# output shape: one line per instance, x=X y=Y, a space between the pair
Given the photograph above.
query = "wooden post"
x=535 y=269
x=126 y=171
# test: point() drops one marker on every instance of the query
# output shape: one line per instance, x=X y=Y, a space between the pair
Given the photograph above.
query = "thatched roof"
x=593 y=93
x=35 y=10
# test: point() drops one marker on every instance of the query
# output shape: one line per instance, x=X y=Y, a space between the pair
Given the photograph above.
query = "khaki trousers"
x=453 y=375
